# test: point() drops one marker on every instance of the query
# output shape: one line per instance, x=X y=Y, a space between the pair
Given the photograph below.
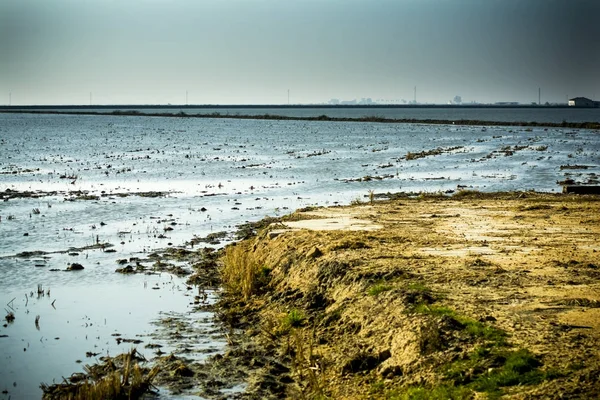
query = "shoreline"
x=476 y=294
x=325 y=118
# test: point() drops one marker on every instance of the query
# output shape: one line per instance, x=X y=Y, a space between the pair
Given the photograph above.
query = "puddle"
x=80 y=323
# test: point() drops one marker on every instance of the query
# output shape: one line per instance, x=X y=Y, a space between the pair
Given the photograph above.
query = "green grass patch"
x=435 y=310
x=491 y=369
x=378 y=288
x=377 y=387
x=520 y=368
x=442 y=392
x=484 y=331
x=294 y=319
x=473 y=327
x=487 y=370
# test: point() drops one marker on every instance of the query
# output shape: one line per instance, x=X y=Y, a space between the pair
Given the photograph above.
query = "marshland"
x=107 y=192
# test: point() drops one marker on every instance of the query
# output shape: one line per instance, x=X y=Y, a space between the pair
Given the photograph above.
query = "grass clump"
x=357 y=201
x=520 y=367
x=106 y=381
x=472 y=327
x=377 y=387
x=487 y=370
x=242 y=270
x=491 y=369
x=378 y=288
x=371 y=197
x=307 y=365
x=442 y=392
x=434 y=310
x=294 y=319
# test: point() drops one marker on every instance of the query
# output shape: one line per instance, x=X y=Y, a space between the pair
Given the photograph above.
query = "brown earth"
x=472 y=296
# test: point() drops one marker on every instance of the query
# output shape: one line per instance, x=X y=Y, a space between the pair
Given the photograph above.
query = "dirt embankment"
x=323 y=117
x=474 y=296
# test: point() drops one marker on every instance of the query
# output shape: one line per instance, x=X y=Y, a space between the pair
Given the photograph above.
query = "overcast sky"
x=253 y=51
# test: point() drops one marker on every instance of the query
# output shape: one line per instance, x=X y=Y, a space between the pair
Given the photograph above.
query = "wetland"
x=158 y=198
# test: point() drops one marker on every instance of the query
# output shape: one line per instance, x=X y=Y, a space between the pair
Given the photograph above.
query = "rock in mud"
x=75 y=267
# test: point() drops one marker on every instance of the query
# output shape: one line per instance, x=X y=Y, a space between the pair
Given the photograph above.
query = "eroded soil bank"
x=472 y=296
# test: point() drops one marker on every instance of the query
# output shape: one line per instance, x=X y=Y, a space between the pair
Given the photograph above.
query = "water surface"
x=213 y=174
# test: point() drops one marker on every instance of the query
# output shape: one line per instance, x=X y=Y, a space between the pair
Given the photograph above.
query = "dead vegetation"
x=119 y=377
x=426 y=153
x=497 y=295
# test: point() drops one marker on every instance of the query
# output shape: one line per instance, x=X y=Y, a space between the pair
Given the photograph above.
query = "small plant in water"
x=356 y=201
x=371 y=196
x=10 y=317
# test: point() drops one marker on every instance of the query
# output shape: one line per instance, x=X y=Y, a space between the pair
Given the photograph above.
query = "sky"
x=255 y=51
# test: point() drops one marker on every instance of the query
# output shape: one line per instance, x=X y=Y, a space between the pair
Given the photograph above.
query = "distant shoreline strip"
x=272 y=117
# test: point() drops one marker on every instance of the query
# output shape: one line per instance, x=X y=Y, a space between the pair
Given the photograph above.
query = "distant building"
x=507 y=103
x=583 y=102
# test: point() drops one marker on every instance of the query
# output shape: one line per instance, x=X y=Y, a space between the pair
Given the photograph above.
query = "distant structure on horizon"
x=363 y=101
x=583 y=102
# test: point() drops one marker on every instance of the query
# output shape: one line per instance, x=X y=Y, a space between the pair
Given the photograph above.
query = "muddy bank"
x=470 y=296
x=167 y=361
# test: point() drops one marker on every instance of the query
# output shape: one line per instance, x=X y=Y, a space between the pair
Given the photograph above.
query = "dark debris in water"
x=37 y=253
x=120 y=377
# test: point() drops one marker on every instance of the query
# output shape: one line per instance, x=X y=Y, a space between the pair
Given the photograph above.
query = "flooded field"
x=92 y=191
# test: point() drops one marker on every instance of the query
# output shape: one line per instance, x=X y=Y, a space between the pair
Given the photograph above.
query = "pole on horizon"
x=539 y=96
x=415 y=95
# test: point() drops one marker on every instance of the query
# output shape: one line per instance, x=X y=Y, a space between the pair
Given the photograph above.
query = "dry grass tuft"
x=130 y=381
x=242 y=272
x=307 y=365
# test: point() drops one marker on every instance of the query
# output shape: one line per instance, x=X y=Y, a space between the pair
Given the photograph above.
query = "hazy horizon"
x=57 y=52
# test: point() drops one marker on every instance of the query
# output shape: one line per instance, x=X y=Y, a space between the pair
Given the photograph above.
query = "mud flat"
x=471 y=296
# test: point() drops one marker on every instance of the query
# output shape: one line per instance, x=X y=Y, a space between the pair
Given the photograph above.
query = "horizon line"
x=299 y=105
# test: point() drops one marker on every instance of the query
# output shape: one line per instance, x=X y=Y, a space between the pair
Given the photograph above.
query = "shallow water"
x=216 y=174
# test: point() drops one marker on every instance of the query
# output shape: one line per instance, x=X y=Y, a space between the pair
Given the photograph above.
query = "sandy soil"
x=473 y=296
